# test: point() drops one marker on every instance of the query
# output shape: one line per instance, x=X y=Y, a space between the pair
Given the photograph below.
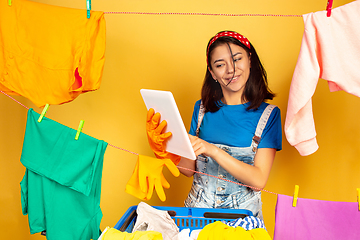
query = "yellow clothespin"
x=79 y=129
x=296 y=194
x=88 y=7
x=43 y=112
x=358 y=197
x=9 y=2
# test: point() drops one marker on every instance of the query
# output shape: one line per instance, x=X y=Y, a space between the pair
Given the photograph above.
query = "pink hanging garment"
x=329 y=50
x=316 y=219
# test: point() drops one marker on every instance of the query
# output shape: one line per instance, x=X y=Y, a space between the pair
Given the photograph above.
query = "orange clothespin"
x=88 y=7
x=358 y=197
x=43 y=112
x=296 y=194
x=328 y=8
x=81 y=124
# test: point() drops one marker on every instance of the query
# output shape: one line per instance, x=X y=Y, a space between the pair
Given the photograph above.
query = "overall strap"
x=200 y=118
x=261 y=126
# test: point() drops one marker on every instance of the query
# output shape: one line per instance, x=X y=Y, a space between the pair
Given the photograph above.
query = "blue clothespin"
x=88 y=7
x=43 y=112
x=9 y=2
x=79 y=129
x=296 y=194
x=328 y=8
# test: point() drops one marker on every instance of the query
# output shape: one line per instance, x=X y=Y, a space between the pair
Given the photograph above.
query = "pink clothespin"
x=328 y=8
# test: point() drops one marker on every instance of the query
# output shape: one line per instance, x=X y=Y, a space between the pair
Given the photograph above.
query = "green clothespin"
x=88 y=7
x=79 y=129
x=43 y=112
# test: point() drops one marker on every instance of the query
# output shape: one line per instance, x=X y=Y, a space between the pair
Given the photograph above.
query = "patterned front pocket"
x=201 y=163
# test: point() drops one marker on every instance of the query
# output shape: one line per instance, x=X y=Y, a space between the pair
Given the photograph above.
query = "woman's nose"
x=231 y=68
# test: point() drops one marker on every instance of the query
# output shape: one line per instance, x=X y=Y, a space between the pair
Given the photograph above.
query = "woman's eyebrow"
x=234 y=55
x=218 y=60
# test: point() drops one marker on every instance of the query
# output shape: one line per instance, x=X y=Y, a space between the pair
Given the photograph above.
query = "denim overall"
x=210 y=192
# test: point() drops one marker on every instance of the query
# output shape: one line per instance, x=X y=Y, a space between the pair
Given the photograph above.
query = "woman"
x=234 y=133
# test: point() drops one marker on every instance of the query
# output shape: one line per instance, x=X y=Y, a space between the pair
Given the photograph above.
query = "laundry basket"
x=191 y=218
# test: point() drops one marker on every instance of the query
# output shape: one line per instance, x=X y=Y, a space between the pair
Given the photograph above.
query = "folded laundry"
x=151 y=219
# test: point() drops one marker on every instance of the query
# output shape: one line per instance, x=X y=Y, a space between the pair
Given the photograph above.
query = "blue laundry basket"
x=191 y=218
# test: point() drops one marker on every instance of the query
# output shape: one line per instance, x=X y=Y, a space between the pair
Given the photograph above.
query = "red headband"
x=232 y=34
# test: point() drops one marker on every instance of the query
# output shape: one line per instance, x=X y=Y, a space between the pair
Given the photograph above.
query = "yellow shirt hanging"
x=50 y=54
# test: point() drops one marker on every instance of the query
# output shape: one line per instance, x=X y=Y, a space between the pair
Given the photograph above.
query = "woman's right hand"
x=155 y=131
x=157 y=136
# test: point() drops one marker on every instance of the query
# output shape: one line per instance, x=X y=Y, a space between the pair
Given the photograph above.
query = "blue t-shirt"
x=234 y=126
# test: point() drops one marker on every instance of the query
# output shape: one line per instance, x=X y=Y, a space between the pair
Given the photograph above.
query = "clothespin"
x=9 y=2
x=328 y=8
x=296 y=194
x=81 y=124
x=358 y=197
x=43 y=112
x=88 y=7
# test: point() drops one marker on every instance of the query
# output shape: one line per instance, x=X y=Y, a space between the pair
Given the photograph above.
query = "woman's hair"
x=256 y=88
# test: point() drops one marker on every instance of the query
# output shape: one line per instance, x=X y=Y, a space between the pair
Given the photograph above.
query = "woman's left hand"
x=202 y=147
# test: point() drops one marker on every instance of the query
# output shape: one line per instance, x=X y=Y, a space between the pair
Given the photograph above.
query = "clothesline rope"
x=209 y=14
x=258 y=189
x=123 y=149
x=14 y=100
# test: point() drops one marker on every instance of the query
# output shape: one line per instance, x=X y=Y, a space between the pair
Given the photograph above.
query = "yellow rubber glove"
x=133 y=187
x=156 y=137
x=148 y=175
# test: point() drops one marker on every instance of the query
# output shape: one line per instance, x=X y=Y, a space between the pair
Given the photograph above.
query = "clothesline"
x=209 y=14
x=15 y=100
x=258 y=189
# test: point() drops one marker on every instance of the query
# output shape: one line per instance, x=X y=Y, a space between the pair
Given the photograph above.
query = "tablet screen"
x=164 y=103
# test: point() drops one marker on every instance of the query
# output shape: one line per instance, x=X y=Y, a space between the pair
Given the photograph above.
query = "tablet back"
x=164 y=103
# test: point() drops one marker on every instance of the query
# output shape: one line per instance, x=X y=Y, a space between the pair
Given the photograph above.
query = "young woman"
x=234 y=133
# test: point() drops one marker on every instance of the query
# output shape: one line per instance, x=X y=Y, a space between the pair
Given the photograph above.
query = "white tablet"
x=164 y=103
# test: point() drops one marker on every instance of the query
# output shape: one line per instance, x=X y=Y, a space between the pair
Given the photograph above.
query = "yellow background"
x=167 y=52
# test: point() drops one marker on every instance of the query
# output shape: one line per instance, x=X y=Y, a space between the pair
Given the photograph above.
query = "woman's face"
x=223 y=68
